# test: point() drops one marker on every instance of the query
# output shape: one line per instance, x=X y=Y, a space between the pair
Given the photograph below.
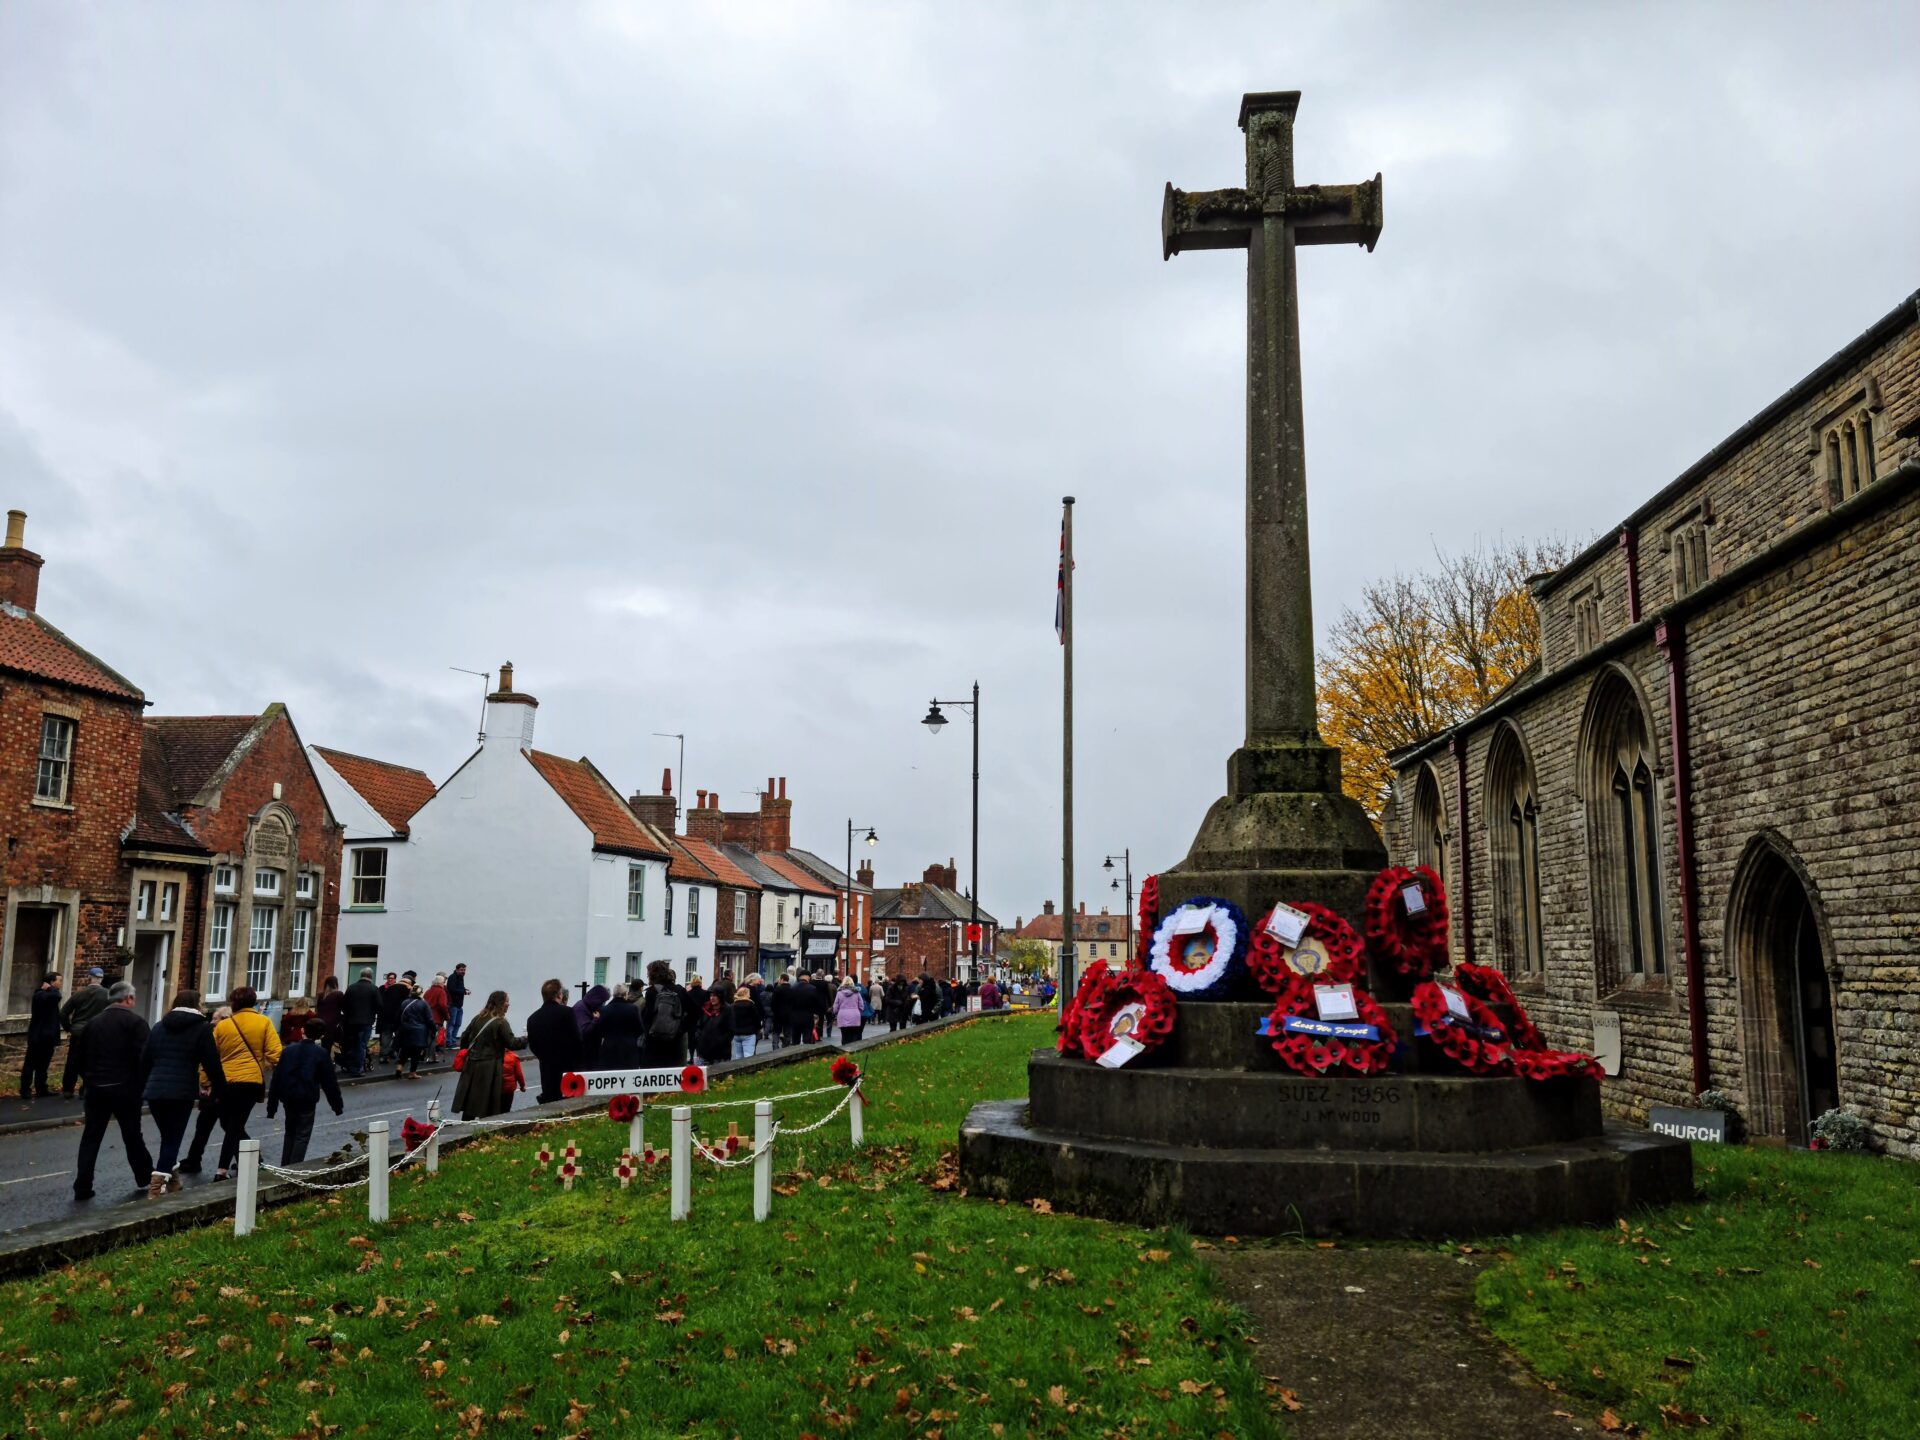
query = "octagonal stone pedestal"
x=1209 y=1132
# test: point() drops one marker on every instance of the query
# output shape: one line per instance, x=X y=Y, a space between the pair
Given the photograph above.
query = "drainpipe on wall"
x=1673 y=645
x=1630 y=542
x=1464 y=849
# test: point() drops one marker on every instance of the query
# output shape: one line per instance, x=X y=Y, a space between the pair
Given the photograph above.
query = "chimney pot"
x=19 y=566
x=506 y=676
x=16 y=529
x=703 y=799
x=783 y=787
x=666 y=781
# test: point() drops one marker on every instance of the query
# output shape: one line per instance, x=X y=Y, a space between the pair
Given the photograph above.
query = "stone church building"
x=1700 y=811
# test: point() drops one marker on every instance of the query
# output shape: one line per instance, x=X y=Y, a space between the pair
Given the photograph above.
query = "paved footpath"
x=36 y=1165
x=1385 y=1341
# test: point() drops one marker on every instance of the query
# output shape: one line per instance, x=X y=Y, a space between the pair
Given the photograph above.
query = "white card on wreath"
x=1456 y=1002
x=1188 y=921
x=1120 y=1052
x=1414 y=898
x=1287 y=925
x=1335 y=1002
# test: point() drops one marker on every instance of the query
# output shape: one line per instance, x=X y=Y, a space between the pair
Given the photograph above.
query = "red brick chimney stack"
x=19 y=566
x=863 y=876
x=656 y=810
x=704 y=820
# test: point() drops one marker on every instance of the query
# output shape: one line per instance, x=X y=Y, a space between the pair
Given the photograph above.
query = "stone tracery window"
x=1430 y=835
x=1843 y=444
x=1513 y=834
x=1621 y=790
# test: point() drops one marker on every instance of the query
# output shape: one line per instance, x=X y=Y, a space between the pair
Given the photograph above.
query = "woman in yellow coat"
x=249 y=1049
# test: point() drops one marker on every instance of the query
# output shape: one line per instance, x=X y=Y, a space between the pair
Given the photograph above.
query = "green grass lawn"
x=1785 y=1303
x=872 y=1303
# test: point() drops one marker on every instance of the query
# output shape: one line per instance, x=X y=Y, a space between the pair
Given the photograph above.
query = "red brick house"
x=922 y=926
x=70 y=737
x=736 y=930
x=235 y=859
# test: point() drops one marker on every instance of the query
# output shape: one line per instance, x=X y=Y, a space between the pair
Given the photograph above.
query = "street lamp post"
x=936 y=722
x=846 y=916
x=1125 y=858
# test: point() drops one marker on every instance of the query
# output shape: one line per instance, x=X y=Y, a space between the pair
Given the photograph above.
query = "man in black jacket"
x=303 y=1075
x=89 y=998
x=43 y=1038
x=358 y=1012
x=554 y=1037
x=109 y=1049
x=456 y=1003
x=393 y=999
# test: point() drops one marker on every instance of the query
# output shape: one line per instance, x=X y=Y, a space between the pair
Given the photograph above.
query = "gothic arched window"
x=1513 y=842
x=1621 y=790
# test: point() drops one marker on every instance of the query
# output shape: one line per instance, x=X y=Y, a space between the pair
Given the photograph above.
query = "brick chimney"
x=776 y=817
x=510 y=713
x=19 y=566
x=863 y=876
x=944 y=876
x=704 y=820
x=656 y=810
x=1047 y=909
x=910 y=898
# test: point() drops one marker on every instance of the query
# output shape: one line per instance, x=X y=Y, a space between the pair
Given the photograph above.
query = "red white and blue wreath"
x=1328 y=951
x=1198 y=947
x=1362 y=1044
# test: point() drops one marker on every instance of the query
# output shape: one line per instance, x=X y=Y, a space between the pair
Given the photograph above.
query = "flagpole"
x=1068 y=968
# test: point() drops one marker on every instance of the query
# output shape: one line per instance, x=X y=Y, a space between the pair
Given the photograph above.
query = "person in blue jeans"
x=744 y=1013
x=456 y=1003
x=179 y=1053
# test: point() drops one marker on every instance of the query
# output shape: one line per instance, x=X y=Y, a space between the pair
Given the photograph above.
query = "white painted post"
x=856 y=1111
x=763 y=1158
x=246 y=1192
x=377 y=1172
x=680 y=1164
x=433 y=1140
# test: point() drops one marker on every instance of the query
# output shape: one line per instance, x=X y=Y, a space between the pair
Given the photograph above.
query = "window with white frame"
x=636 y=892
x=261 y=935
x=143 y=898
x=219 y=950
x=693 y=912
x=693 y=968
x=52 y=779
x=266 y=881
x=779 y=919
x=739 y=912
x=301 y=931
x=223 y=879
x=633 y=966
x=305 y=884
x=169 y=900
x=370 y=876
x=893 y=934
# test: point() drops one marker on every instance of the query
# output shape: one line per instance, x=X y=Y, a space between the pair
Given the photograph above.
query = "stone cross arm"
x=1315 y=214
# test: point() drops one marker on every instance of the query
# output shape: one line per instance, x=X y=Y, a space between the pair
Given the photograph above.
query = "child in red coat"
x=512 y=1078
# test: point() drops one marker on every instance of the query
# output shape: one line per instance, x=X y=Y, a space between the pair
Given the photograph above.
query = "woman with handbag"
x=482 y=1088
x=249 y=1048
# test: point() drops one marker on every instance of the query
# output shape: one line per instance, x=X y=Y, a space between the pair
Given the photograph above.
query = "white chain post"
x=433 y=1140
x=681 y=1163
x=763 y=1158
x=377 y=1172
x=246 y=1192
x=856 y=1110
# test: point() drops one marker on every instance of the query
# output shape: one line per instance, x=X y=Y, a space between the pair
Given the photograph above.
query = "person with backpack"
x=663 y=1017
x=179 y=1052
x=482 y=1089
x=303 y=1075
x=619 y=1031
x=416 y=1034
x=743 y=1017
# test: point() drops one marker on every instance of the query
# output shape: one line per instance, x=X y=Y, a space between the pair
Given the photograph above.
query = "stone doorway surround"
x=21 y=970
x=1782 y=963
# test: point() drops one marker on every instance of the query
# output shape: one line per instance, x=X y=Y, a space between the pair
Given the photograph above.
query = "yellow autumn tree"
x=1422 y=652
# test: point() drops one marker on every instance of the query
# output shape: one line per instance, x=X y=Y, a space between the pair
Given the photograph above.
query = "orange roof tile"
x=716 y=861
x=685 y=865
x=30 y=646
x=598 y=805
x=396 y=792
x=793 y=870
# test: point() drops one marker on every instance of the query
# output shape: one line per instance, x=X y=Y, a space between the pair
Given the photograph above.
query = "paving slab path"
x=1385 y=1341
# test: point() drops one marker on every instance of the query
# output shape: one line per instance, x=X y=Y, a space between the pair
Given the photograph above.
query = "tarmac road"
x=36 y=1166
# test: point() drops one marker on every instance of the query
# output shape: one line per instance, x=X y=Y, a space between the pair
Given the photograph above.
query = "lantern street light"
x=935 y=723
x=846 y=916
x=1125 y=858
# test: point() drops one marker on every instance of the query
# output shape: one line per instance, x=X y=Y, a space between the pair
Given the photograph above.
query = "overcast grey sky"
x=724 y=368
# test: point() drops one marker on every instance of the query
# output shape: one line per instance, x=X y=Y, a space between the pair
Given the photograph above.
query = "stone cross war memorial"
x=1289 y=1050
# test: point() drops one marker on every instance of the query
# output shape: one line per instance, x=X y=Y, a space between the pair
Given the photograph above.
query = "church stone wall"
x=1804 y=697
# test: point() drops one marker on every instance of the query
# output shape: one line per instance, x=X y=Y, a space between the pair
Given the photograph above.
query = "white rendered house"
x=524 y=865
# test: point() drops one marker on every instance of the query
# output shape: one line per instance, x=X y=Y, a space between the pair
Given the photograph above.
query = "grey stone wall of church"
x=1804 y=707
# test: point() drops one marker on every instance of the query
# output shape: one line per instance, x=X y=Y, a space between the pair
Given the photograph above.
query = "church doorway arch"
x=1780 y=957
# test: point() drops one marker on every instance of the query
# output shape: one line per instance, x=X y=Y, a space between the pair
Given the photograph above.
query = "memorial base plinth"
x=1331 y=1192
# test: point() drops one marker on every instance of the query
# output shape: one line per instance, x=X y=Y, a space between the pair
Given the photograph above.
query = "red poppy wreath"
x=1409 y=939
x=1137 y=1006
x=1095 y=978
x=1476 y=1044
x=1328 y=952
x=1149 y=922
x=1530 y=1055
x=623 y=1107
x=1312 y=1046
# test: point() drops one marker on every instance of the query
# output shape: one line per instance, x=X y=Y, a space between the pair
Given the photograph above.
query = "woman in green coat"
x=482 y=1088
